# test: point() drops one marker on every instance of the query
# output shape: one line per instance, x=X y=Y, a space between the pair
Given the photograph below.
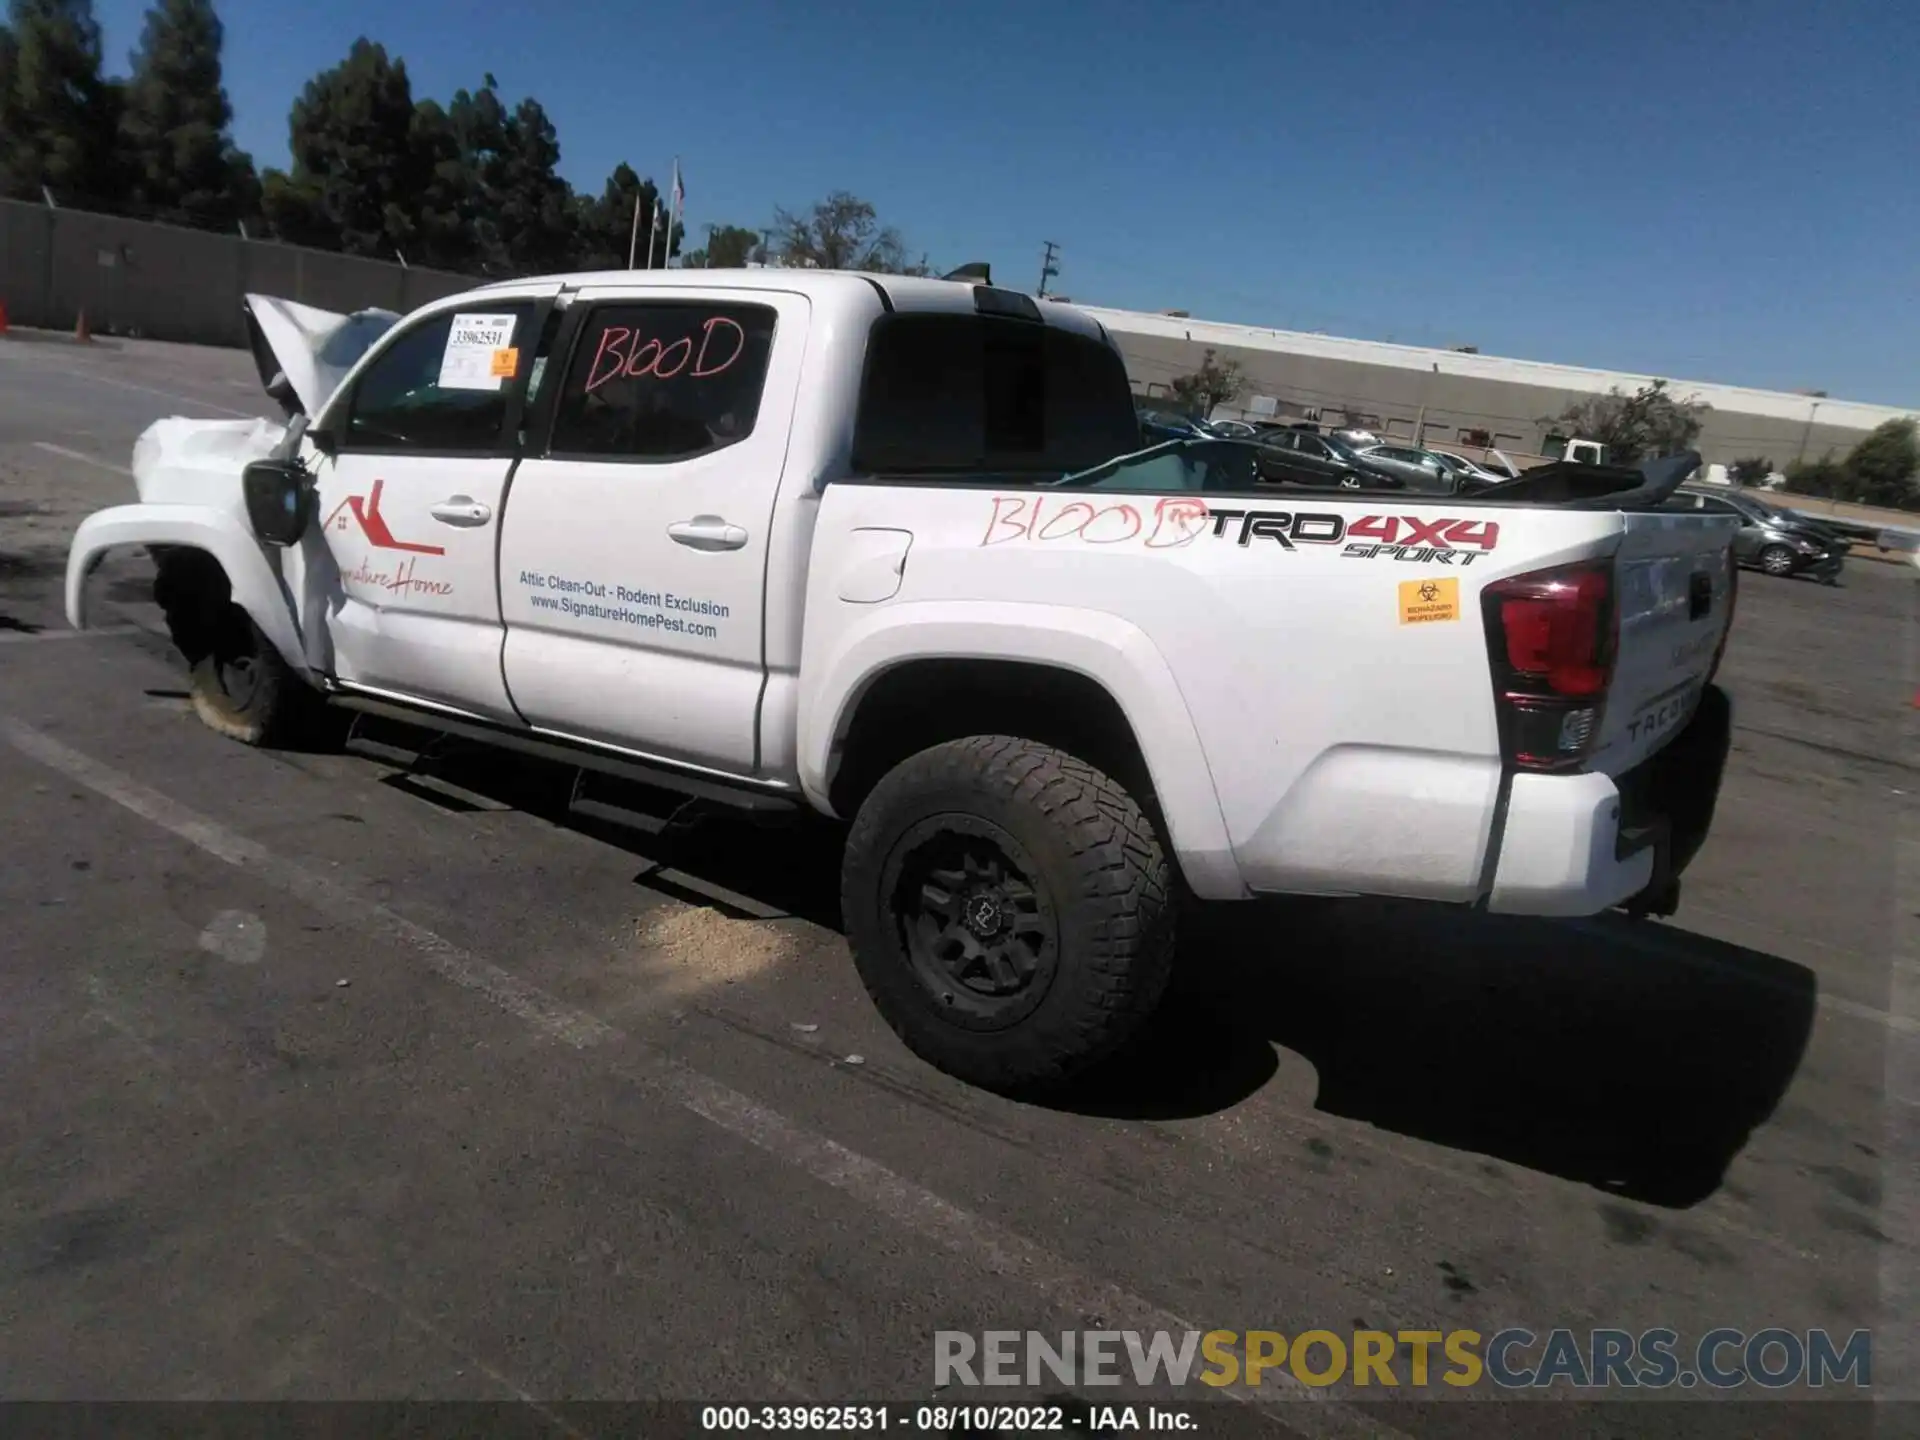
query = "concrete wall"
x=1392 y=400
x=168 y=283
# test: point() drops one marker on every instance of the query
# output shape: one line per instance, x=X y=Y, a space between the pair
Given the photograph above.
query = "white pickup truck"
x=862 y=545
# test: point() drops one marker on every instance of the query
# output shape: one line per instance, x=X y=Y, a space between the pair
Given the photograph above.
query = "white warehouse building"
x=1459 y=398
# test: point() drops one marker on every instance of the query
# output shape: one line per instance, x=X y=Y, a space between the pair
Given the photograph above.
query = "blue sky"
x=1707 y=189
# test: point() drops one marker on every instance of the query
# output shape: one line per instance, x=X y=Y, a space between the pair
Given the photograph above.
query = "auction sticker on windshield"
x=1422 y=602
x=476 y=346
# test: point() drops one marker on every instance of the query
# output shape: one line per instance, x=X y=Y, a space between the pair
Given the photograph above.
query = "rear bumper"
x=1582 y=844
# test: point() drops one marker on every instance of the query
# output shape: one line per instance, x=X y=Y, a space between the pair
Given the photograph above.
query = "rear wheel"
x=1010 y=910
x=1777 y=560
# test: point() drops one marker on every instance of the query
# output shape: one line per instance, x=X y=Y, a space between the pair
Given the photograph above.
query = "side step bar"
x=659 y=777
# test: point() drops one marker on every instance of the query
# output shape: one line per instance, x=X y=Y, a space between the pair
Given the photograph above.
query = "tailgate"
x=1675 y=582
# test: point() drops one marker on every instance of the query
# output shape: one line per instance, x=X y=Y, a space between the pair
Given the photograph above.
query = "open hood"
x=302 y=353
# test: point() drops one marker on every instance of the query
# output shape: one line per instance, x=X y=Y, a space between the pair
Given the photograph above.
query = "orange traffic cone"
x=82 y=331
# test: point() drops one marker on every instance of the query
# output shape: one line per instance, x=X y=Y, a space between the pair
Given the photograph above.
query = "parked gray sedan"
x=1777 y=541
x=1420 y=469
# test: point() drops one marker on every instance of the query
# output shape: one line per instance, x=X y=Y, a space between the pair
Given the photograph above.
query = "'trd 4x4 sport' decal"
x=1413 y=538
x=1174 y=523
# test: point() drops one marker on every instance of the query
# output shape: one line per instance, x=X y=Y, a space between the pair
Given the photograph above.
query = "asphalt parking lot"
x=324 y=1081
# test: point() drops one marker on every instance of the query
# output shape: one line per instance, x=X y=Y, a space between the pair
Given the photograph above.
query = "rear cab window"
x=988 y=396
x=659 y=381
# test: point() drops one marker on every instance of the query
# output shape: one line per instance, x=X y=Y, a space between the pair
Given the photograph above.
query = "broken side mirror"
x=280 y=500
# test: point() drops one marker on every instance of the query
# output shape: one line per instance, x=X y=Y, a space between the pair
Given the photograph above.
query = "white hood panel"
x=178 y=461
x=316 y=348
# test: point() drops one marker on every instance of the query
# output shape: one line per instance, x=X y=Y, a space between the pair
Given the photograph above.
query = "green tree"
x=181 y=162
x=520 y=212
x=1216 y=382
x=1649 y=423
x=842 y=232
x=439 y=216
x=1753 y=471
x=1881 y=468
x=1825 y=477
x=58 y=113
x=603 y=226
x=728 y=247
x=358 y=174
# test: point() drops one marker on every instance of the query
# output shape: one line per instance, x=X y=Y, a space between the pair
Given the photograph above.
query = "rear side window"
x=663 y=381
x=442 y=386
x=949 y=394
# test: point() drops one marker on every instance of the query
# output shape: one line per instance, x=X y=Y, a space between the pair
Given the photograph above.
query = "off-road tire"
x=1097 y=864
x=239 y=685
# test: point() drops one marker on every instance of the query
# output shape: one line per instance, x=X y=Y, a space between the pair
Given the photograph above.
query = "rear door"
x=634 y=554
x=1674 y=582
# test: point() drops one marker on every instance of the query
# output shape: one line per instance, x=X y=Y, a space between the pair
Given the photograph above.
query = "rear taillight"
x=1551 y=637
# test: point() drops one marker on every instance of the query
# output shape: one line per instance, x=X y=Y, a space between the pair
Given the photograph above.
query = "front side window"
x=983 y=394
x=664 y=380
x=443 y=385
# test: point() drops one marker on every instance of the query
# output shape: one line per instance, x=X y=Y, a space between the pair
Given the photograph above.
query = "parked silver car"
x=1472 y=477
x=1770 y=538
x=1420 y=469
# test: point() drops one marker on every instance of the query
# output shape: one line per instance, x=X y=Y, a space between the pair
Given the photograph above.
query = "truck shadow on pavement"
x=1636 y=1058
x=1570 y=1049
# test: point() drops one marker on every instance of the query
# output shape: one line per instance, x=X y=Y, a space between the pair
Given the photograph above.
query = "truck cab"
x=1575 y=452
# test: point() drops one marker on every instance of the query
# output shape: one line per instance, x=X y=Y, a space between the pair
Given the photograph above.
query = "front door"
x=410 y=500
x=634 y=557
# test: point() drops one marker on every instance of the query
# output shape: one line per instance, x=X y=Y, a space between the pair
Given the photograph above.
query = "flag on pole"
x=679 y=204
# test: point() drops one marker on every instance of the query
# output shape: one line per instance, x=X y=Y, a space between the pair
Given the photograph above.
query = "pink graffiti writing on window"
x=1165 y=524
x=624 y=355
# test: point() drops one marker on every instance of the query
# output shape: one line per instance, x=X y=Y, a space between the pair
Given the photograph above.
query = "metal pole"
x=1420 y=430
x=633 y=235
x=1807 y=433
x=673 y=217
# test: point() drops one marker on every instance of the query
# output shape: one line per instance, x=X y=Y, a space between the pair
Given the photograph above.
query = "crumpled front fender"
x=257 y=587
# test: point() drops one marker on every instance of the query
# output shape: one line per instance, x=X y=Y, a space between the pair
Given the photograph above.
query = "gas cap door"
x=875 y=562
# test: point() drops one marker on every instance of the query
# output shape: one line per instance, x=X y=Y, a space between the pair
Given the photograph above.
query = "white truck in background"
x=1574 y=452
x=861 y=545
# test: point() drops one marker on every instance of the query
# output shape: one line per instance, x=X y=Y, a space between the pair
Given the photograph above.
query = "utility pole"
x=1049 y=267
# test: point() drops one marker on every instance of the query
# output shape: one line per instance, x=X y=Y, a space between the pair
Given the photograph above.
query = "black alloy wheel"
x=981 y=935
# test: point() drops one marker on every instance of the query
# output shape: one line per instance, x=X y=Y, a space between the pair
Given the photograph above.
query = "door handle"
x=461 y=510
x=707 y=532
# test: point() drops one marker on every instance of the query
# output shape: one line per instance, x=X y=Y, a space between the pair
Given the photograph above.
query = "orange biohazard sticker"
x=505 y=362
x=1424 y=601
